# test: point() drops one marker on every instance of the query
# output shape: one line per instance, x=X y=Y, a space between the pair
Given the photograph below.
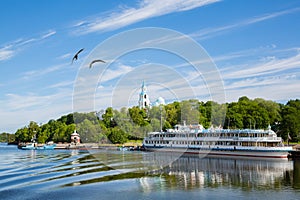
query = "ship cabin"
x=196 y=135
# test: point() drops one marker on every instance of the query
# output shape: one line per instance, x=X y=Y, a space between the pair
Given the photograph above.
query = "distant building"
x=75 y=138
x=159 y=101
x=144 y=101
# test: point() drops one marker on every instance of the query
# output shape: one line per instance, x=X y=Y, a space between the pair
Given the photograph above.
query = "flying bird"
x=94 y=61
x=76 y=55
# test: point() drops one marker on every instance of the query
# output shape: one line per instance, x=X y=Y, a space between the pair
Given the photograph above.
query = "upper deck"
x=197 y=131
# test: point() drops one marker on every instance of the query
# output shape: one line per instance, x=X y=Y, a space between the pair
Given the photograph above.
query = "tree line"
x=119 y=126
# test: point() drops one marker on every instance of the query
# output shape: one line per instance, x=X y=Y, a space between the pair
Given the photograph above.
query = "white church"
x=144 y=101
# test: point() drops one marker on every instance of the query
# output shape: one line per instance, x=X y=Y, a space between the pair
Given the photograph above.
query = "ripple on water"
x=67 y=174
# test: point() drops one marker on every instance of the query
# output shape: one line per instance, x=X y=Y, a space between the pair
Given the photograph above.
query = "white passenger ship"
x=218 y=142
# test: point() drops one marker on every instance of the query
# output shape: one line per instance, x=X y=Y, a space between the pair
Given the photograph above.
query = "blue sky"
x=254 y=45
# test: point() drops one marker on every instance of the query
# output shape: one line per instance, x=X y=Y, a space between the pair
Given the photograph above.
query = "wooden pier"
x=295 y=154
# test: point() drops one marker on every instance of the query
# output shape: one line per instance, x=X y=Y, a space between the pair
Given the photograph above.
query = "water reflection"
x=159 y=170
x=45 y=170
x=296 y=174
x=190 y=172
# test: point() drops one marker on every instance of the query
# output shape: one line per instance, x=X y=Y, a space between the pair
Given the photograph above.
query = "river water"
x=102 y=174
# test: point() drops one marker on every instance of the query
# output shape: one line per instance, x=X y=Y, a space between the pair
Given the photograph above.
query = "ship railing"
x=250 y=139
x=259 y=139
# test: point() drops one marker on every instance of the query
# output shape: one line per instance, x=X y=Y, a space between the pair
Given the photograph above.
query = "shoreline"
x=86 y=146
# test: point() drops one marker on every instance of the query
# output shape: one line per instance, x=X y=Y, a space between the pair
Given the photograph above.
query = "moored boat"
x=218 y=142
x=36 y=146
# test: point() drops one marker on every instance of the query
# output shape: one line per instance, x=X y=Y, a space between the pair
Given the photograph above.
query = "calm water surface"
x=102 y=174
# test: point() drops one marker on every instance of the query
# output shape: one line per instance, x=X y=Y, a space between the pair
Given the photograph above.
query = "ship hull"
x=245 y=153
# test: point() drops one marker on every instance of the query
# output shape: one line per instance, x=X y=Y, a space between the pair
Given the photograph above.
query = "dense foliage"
x=117 y=126
x=7 y=137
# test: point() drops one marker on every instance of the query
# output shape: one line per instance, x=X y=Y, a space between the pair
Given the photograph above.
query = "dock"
x=90 y=146
x=76 y=146
x=295 y=154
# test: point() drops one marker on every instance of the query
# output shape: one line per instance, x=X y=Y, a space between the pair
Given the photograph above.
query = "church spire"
x=144 y=101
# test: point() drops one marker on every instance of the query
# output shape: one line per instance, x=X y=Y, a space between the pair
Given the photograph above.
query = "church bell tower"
x=144 y=101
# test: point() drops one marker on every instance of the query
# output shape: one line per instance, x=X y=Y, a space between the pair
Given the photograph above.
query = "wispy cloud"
x=10 y=50
x=280 y=89
x=266 y=72
x=48 y=34
x=208 y=33
x=111 y=74
x=31 y=105
x=43 y=71
x=62 y=84
x=271 y=67
x=274 y=76
x=64 y=56
x=145 y=9
x=212 y=32
x=6 y=53
x=26 y=102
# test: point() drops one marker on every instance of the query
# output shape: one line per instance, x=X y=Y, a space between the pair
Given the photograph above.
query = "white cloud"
x=62 y=84
x=23 y=42
x=271 y=67
x=43 y=71
x=211 y=32
x=48 y=34
x=10 y=50
x=278 y=89
x=6 y=53
x=19 y=109
x=64 y=56
x=28 y=101
x=114 y=73
x=275 y=77
x=146 y=9
x=214 y=31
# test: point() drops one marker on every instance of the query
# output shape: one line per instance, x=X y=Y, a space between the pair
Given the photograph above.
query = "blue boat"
x=35 y=146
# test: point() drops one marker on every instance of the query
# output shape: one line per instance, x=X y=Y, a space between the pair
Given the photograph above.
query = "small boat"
x=123 y=148
x=35 y=146
x=126 y=148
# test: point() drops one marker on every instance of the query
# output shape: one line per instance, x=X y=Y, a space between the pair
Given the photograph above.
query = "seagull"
x=76 y=55
x=94 y=61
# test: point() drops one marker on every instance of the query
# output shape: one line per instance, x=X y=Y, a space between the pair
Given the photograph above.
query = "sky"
x=204 y=49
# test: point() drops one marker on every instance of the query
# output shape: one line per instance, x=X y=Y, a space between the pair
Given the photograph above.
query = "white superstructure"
x=218 y=142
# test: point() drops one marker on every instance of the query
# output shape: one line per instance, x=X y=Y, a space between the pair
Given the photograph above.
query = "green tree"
x=117 y=136
x=138 y=116
x=273 y=109
x=203 y=113
x=59 y=131
x=189 y=112
x=218 y=113
x=248 y=113
x=33 y=129
x=27 y=133
x=67 y=119
x=173 y=113
x=7 y=137
x=234 y=116
x=157 y=116
x=89 y=131
x=290 y=120
x=108 y=119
